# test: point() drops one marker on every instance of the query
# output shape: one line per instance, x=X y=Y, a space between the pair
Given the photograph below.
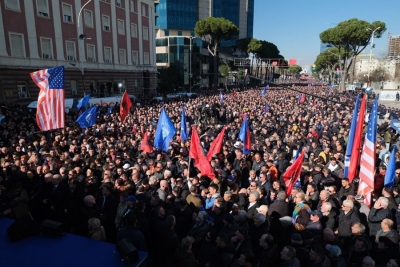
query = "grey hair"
x=349 y=203
x=152 y=180
x=384 y=201
x=168 y=172
x=242 y=214
x=328 y=205
x=57 y=176
x=369 y=260
x=281 y=195
x=255 y=194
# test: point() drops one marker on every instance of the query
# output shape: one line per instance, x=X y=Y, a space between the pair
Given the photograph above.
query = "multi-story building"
x=176 y=44
x=96 y=41
x=366 y=62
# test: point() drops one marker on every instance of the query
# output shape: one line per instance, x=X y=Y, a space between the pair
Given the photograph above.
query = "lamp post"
x=81 y=36
x=190 y=62
x=370 y=53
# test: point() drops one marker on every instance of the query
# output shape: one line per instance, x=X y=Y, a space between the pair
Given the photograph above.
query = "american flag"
x=367 y=166
x=50 y=106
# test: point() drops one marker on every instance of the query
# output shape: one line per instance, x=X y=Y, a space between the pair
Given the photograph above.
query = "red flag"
x=303 y=98
x=292 y=174
x=233 y=94
x=145 y=144
x=200 y=160
x=125 y=106
x=355 y=152
x=216 y=145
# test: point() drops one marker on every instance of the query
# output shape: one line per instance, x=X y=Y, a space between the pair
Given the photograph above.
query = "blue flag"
x=391 y=169
x=244 y=135
x=264 y=91
x=83 y=102
x=266 y=108
x=347 y=156
x=221 y=97
x=165 y=132
x=2 y=118
x=87 y=118
x=184 y=131
x=109 y=111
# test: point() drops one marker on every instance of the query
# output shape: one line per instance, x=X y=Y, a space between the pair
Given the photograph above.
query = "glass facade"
x=178 y=57
x=250 y=19
x=177 y=14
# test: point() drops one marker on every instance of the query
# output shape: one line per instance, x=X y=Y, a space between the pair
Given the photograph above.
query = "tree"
x=295 y=69
x=254 y=47
x=225 y=69
x=328 y=61
x=351 y=37
x=214 y=30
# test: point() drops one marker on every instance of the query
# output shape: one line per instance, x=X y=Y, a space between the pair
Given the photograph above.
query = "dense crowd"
x=99 y=184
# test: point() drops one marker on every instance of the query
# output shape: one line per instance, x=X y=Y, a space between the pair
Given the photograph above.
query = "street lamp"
x=190 y=63
x=370 y=52
x=81 y=36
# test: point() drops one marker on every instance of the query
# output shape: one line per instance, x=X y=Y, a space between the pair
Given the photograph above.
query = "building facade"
x=364 y=64
x=176 y=44
x=96 y=41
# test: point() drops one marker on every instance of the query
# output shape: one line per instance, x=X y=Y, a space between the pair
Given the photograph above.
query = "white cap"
x=126 y=166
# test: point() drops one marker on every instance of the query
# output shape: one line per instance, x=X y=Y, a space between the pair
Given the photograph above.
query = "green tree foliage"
x=328 y=61
x=224 y=70
x=351 y=37
x=378 y=75
x=214 y=30
x=295 y=69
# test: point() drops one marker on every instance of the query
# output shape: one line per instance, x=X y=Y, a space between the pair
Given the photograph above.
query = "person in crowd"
x=242 y=215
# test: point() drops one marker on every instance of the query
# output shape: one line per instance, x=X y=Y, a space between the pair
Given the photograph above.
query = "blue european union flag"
x=165 y=132
x=264 y=91
x=184 y=131
x=391 y=169
x=87 y=118
x=109 y=111
x=266 y=108
x=221 y=97
x=83 y=102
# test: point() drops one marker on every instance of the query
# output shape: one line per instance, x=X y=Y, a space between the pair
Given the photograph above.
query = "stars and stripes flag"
x=51 y=101
x=367 y=166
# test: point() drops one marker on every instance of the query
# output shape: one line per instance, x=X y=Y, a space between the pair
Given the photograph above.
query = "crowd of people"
x=99 y=184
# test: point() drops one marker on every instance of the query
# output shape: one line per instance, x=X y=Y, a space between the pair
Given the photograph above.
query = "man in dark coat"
x=280 y=205
x=347 y=217
x=108 y=210
x=132 y=233
x=376 y=215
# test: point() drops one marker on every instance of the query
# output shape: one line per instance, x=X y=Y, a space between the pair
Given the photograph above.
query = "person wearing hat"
x=364 y=209
x=335 y=255
x=314 y=225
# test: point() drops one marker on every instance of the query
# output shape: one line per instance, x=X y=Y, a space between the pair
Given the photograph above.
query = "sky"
x=294 y=26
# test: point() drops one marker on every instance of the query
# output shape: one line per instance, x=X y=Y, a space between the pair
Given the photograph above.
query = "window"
x=121 y=27
x=145 y=33
x=106 y=23
x=134 y=30
x=17 y=45
x=88 y=18
x=107 y=55
x=67 y=12
x=91 y=53
x=46 y=48
x=42 y=8
x=122 y=56
x=144 y=10
x=105 y=1
x=71 y=51
x=135 y=57
x=118 y=3
x=74 y=88
x=146 y=58
x=133 y=6
x=13 y=5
